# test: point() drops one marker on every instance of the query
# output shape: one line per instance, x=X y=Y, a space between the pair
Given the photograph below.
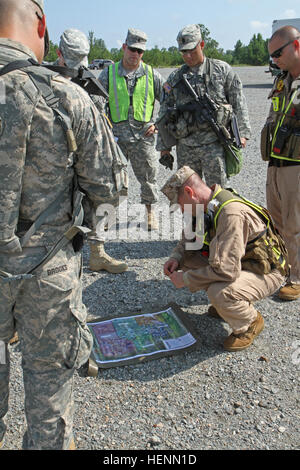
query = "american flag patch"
x=167 y=87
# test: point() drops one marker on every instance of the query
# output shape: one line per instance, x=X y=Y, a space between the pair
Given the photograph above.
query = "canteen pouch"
x=265 y=142
x=294 y=144
x=233 y=164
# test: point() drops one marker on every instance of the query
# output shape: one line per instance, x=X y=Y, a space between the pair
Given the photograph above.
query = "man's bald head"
x=23 y=21
x=286 y=33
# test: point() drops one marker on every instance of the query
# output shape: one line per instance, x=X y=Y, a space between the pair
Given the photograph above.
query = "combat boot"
x=290 y=292
x=2 y=443
x=101 y=261
x=152 y=223
x=237 y=342
x=72 y=445
x=14 y=339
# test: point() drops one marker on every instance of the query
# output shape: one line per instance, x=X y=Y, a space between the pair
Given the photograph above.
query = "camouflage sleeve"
x=15 y=122
x=158 y=85
x=167 y=101
x=103 y=78
x=236 y=97
x=94 y=159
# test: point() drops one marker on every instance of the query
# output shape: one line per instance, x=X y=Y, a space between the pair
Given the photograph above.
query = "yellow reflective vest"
x=263 y=254
x=142 y=100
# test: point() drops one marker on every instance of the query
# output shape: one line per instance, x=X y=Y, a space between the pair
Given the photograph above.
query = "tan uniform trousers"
x=234 y=300
x=283 y=202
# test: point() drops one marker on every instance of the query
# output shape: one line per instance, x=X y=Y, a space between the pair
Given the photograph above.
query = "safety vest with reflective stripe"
x=286 y=126
x=268 y=242
x=142 y=100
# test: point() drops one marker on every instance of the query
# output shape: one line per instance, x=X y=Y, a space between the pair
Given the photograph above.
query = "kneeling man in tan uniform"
x=243 y=258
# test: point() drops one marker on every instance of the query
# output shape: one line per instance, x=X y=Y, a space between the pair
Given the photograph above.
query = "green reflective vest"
x=142 y=100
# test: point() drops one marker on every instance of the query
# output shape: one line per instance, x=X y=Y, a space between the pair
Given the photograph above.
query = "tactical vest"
x=284 y=132
x=142 y=99
x=263 y=254
x=41 y=78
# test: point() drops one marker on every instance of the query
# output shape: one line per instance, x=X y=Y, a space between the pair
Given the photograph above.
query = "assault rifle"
x=205 y=110
x=83 y=77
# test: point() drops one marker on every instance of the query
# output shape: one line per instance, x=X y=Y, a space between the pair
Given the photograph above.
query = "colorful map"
x=136 y=336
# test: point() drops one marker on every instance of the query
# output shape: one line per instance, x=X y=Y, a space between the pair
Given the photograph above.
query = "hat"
x=136 y=38
x=189 y=37
x=171 y=188
x=39 y=3
x=75 y=47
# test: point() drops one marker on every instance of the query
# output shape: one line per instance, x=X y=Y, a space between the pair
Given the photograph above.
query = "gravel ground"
x=205 y=399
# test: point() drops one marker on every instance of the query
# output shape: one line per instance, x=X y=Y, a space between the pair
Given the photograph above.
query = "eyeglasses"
x=134 y=49
x=276 y=54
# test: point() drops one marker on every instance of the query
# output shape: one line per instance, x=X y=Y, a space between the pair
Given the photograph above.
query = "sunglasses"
x=276 y=54
x=134 y=49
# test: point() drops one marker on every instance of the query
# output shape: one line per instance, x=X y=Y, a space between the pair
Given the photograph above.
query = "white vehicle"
x=276 y=25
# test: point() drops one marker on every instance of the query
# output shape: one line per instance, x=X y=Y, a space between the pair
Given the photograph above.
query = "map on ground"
x=134 y=338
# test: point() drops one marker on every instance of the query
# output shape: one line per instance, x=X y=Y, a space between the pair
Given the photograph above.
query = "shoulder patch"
x=167 y=87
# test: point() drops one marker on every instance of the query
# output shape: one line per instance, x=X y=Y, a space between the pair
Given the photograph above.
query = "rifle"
x=205 y=110
x=83 y=77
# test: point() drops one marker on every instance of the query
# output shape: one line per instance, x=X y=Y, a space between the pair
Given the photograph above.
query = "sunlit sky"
x=227 y=20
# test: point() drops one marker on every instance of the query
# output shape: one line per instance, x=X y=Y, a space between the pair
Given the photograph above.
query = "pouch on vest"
x=266 y=142
x=233 y=164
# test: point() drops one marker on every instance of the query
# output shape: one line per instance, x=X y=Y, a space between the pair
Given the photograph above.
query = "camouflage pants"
x=143 y=158
x=48 y=313
x=207 y=160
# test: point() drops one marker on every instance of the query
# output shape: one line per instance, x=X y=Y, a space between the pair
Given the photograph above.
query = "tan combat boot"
x=290 y=292
x=237 y=342
x=14 y=339
x=2 y=443
x=72 y=445
x=151 y=219
x=101 y=261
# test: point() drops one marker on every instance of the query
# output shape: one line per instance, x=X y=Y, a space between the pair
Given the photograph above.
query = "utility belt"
x=278 y=162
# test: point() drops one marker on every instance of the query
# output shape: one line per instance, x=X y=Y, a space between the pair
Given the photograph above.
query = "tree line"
x=255 y=53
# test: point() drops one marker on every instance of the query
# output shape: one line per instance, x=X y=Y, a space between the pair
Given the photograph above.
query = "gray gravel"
x=205 y=399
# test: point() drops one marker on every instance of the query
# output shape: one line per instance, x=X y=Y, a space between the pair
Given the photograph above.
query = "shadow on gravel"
x=259 y=85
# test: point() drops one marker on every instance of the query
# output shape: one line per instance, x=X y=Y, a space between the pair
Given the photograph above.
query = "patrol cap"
x=136 y=38
x=189 y=36
x=172 y=186
x=75 y=47
x=39 y=3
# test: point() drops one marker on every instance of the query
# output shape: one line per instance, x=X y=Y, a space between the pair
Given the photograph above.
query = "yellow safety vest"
x=266 y=252
x=142 y=100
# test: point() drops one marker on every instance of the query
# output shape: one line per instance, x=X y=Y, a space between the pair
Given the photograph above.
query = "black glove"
x=167 y=160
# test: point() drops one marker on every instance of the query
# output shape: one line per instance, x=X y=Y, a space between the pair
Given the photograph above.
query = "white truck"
x=276 y=25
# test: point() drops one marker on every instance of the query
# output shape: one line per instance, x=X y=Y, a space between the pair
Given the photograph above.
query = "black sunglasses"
x=276 y=54
x=134 y=49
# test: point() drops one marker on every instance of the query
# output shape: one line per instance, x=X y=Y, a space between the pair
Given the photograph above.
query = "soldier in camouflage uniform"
x=133 y=87
x=41 y=159
x=196 y=143
x=73 y=53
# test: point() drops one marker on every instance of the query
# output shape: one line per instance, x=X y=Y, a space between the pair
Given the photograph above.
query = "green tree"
x=52 y=54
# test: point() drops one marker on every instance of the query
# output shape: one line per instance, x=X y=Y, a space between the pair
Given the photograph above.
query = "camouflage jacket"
x=132 y=130
x=36 y=165
x=221 y=83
